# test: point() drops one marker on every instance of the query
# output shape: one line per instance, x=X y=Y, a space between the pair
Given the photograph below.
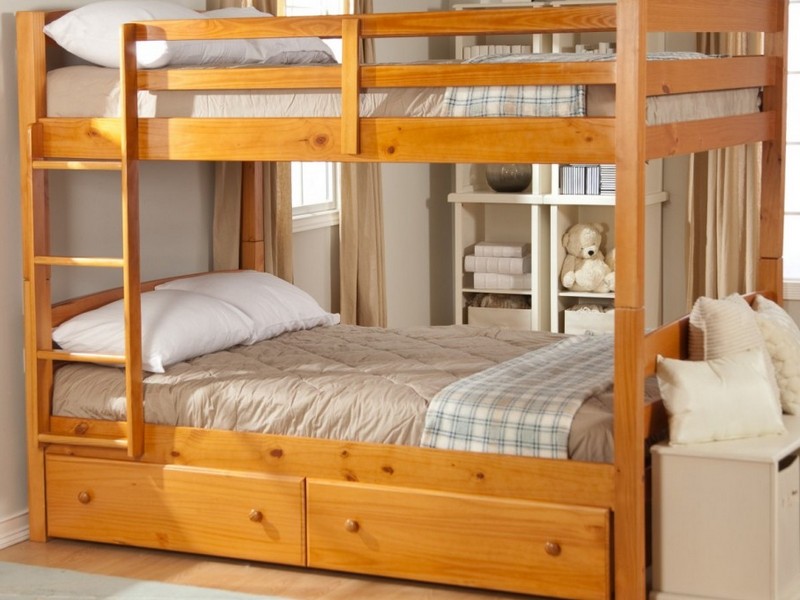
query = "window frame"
x=324 y=213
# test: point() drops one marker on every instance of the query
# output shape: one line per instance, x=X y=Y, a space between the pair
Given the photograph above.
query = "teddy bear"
x=584 y=268
x=500 y=301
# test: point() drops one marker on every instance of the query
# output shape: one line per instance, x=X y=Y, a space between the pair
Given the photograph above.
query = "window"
x=315 y=185
x=791 y=241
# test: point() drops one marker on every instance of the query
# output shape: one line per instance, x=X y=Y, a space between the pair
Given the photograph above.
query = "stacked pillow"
x=743 y=372
x=92 y=32
x=189 y=317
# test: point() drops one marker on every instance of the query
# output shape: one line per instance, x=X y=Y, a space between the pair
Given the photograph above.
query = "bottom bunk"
x=308 y=448
x=486 y=519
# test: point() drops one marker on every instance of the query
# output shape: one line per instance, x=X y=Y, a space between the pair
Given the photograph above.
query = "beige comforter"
x=339 y=382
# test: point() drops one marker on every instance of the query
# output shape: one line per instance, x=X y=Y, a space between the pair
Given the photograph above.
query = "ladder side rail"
x=129 y=147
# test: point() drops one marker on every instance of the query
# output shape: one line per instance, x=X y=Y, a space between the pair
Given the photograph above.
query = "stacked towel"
x=500 y=266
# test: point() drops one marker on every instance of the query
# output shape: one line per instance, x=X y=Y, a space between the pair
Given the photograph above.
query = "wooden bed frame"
x=539 y=526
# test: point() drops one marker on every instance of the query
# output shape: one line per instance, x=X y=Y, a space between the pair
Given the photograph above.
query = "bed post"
x=630 y=132
x=251 y=251
x=32 y=98
x=770 y=264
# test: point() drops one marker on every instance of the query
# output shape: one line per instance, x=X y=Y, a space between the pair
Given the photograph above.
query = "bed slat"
x=713 y=15
x=106 y=359
x=78 y=261
x=91 y=442
x=411 y=24
x=77 y=165
x=696 y=136
x=685 y=76
x=381 y=76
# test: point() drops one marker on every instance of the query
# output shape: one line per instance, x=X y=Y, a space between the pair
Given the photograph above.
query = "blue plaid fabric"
x=532 y=100
x=524 y=406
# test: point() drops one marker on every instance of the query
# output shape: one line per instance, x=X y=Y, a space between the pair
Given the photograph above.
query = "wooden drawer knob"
x=351 y=525
x=552 y=548
x=84 y=497
x=256 y=516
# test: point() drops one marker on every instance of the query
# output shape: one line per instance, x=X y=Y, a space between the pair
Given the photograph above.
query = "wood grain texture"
x=177 y=508
x=464 y=487
x=467 y=540
x=588 y=484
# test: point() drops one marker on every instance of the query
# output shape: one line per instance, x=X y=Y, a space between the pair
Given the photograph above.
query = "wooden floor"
x=234 y=575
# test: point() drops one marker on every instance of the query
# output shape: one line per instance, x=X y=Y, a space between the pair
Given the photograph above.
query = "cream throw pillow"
x=782 y=338
x=723 y=327
x=719 y=399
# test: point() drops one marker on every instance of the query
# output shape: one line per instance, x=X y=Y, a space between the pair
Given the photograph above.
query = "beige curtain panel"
x=724 y=192
x=361 y=255
x=361 y=246
x=276 y=195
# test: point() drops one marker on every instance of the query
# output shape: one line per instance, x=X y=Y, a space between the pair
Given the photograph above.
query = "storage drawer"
x=235 y=514
x=579 y=322
x=510 y=318
x=504 y=544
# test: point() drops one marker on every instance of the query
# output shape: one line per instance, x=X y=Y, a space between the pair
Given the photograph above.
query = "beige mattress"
x=338 y=382
x=91 y=91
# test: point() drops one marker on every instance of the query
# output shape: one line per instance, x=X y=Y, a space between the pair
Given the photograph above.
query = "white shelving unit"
x=541 y=214
x=726 y=519
x=510 y=218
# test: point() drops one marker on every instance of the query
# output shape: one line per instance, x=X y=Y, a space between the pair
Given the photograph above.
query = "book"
x=512 y=265
x=502 y=281
x=511 y=249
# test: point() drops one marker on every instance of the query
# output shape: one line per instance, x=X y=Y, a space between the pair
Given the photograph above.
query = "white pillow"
x=719 y=399
x=91 y=32
x=248 y=51
x=782 y=338
x=176 y=326
x=274 y=305
x=721 y=327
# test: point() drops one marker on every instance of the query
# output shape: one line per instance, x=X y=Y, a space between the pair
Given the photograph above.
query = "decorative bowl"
x=509 y=178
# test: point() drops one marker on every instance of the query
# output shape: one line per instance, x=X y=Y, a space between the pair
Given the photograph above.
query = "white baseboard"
x=14 y=530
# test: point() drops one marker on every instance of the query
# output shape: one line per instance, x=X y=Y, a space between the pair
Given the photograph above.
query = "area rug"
x=18 y=581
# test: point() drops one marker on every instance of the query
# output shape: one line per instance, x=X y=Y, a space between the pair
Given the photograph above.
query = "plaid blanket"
x=524 y=406
x=532 y=100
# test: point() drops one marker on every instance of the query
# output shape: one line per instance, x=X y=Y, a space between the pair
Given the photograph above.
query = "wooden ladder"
x=39 y=262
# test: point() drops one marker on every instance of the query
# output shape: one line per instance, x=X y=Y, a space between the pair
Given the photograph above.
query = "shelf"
x=487 y=197
x=598 y=295
x=579 y=199
x=593 y=200
x=514 y=292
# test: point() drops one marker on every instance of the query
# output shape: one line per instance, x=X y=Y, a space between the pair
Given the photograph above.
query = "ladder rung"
x=74 y=440
x=105 y=359
x=78 y=165
x=78 y=261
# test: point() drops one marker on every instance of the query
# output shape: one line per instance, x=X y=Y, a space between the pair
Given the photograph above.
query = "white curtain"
x=724 y=192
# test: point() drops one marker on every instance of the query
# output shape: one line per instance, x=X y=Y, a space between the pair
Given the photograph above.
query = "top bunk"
x=352 y=123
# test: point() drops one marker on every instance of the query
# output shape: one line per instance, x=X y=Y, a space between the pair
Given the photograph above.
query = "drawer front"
x=513 y=545
x=235 y=514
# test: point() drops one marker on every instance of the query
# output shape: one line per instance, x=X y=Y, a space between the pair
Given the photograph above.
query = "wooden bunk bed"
x=550 y=527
